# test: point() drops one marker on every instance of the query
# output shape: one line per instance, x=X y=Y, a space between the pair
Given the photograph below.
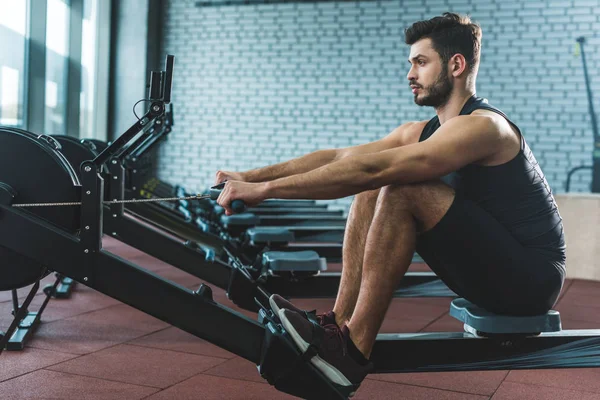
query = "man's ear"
x=458 y=65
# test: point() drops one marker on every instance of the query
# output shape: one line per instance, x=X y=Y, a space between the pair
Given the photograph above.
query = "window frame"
x=35 y=68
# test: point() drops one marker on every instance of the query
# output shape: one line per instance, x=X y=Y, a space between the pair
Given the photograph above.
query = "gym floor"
x=93 y=347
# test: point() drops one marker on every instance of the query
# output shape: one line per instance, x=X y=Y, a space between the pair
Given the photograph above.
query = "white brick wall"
x=259 y=84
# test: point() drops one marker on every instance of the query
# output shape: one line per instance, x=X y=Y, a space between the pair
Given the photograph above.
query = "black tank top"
x=516 y=193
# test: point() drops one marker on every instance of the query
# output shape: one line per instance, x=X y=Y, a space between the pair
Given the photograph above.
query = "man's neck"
x=454 y=105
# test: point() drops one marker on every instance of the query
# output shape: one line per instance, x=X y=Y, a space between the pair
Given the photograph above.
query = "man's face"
x=428 y=76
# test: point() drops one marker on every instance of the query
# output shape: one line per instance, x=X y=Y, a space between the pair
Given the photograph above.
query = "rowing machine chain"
x=196 y=197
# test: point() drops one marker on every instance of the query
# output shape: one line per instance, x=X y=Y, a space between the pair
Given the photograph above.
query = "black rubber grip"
x=238 y=206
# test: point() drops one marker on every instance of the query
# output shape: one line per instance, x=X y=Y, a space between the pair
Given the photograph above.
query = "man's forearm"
x=344 y=177
x=295 y=166
x=356 y=173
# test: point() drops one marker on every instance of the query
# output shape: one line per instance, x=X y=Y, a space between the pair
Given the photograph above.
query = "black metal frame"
x=595 y=186
x=456 y=351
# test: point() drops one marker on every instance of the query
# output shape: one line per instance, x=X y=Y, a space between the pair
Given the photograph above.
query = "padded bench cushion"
x=294 y=261
x=485 y=321
x=270 y=234
x=239 y=220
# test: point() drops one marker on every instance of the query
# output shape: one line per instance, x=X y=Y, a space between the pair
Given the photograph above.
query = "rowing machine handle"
x=238 y=206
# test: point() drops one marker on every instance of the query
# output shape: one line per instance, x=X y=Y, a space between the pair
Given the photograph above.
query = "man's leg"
x=401 y=212
x=359 y=220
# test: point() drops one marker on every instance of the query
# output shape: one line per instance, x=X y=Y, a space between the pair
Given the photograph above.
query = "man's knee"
x=417 y=197
x=367 y=198
x=416 y=191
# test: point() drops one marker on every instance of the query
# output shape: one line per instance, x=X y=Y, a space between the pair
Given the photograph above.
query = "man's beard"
x=438 y=93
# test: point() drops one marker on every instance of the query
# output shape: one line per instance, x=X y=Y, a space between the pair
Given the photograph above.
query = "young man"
x=494 y=235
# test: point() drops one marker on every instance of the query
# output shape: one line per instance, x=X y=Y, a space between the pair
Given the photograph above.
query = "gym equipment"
x=138 y=182
x=25 y=322
x=59 y=239
x=217 y=258
x=595 y=185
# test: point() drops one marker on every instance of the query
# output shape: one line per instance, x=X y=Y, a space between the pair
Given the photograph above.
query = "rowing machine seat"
x=239 y=220
x=478 y=320
x=294 y=261
x=261 y=235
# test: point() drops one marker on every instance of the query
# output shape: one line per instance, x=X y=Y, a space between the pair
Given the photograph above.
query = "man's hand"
x=250 y=193
x=222 y=176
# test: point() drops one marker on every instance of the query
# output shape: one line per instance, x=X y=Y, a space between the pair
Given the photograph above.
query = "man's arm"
x=458 y=142
x=320 y=158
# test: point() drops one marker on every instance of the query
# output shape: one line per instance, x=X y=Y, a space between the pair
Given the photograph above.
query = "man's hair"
x=450 y=34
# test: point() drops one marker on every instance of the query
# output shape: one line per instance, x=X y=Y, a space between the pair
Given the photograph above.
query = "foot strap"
x=317 y=339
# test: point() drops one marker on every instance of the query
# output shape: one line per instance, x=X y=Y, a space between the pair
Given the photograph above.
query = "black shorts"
x=481 y=261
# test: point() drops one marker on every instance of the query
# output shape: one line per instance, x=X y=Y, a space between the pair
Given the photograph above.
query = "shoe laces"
x=321 y=318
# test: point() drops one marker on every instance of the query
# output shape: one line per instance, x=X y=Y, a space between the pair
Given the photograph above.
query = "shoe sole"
x=332 y=373
x=276 y=309
x=274 y=306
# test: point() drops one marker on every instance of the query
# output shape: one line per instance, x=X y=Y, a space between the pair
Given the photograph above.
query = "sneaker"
x=331 y=344
x=277 y=303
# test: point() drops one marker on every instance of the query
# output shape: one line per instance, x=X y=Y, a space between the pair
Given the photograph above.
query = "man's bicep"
x=401 y=136
x=462 y=141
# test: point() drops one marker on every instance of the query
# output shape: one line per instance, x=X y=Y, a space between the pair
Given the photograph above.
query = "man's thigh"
x=428 y=201
x=479 y=259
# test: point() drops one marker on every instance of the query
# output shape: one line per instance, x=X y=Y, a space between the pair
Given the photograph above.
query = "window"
x=57 y=44
x=89 y=47
x=13 y=23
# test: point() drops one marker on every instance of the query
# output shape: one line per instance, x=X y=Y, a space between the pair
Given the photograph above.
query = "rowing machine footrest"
x=205 y=292
x=242 y=220
x=481 y=320
x=262 y=235
x=284 y=366
x=297 y=261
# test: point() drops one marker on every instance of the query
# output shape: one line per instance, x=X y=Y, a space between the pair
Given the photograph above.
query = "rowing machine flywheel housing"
x=34 y=168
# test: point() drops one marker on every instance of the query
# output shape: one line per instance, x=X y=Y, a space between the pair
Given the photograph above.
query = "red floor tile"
x=217 y=388
x=581 y=293
x=177 y=340
x=56 y=385
x=83 y=300
x=576 y=324
x=413 y=315
x=153 y=367
x=446 y=323
x=371 y=389
x=587 y=379
x=513 y=391
x=15 y=363
x=579 y=312
x=236 y=368
x=96 y=330
x=475 y=382
x=582 y=287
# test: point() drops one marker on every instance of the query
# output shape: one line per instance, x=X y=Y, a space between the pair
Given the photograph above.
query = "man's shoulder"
x=411 y=131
